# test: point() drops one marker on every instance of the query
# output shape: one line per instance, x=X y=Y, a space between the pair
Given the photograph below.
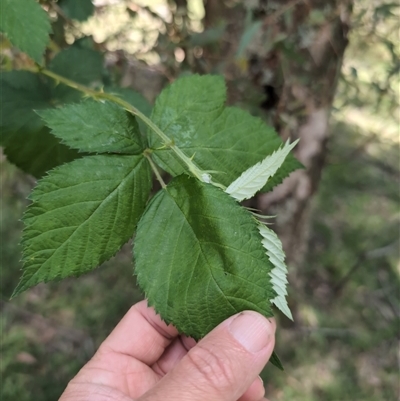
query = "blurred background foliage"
x=344 y=344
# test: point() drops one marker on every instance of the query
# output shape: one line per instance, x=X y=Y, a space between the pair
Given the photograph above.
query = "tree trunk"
x=299 y=75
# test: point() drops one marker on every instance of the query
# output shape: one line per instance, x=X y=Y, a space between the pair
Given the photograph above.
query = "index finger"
x=141 y=334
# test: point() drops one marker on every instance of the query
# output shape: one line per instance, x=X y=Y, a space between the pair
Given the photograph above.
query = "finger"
x=188 y=342
x=170 y=358
x=223 y=365
x=173 y=354
x=255 y=392
x=141 y=334
x=179 y=348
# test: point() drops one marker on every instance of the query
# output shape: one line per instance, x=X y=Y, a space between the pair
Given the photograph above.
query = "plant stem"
x=198 y=173
x=146 y=154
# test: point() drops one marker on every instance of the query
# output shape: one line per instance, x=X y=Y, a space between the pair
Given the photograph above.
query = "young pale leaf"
x=26 y=141
x=275 y=253
x=81 y=214
x=289 y=165
x=225 y=140
x=199 y=257
x=26 y=25
x=253 y=179
x=95 y=127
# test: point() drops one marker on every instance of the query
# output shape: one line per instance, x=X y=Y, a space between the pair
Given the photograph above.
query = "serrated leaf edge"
x=278 y=274
x=256 y=177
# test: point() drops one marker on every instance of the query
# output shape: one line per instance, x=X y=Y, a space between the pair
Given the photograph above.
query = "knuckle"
x=210 y=369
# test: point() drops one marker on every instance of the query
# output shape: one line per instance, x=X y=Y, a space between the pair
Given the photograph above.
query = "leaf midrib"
x=81 y=225
x=201 y=252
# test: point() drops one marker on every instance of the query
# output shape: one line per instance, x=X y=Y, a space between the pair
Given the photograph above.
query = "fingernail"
x=251 y=330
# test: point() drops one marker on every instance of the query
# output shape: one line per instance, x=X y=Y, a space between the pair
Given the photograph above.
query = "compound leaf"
x=199 y=257
x=95 y=127
x=226 y=141
x=257 y=176
x=26 y=25
x=273 y=246
x=81 y=214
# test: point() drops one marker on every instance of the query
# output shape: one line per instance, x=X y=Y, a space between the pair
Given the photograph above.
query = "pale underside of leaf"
x=255 y=178
x=81 y=214
x=278 y=274
x=199 y=257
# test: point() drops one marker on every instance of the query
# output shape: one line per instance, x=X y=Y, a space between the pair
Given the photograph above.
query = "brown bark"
x=302 y=72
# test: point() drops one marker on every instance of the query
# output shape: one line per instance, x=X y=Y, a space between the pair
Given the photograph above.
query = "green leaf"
x=36 y=152
x=95 y=127
x=182 y=107
x=199 y=257
x=256 y=177
x=81 y=214
x=81 y=65
x=80 y=10
x=276 y=361
x=135 y=99
x=26 y=25
x=21 y=91
x=273 y=246
x=226 y=141
x=27 y=142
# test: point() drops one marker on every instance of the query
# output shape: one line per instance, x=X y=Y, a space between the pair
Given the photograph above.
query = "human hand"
x=143 y=359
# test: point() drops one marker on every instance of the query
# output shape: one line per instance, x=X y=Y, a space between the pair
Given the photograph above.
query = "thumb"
x=223 y=365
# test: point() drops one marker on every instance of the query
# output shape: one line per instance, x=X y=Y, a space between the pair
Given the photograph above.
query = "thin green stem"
x=146 y=154
x=198 y=173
